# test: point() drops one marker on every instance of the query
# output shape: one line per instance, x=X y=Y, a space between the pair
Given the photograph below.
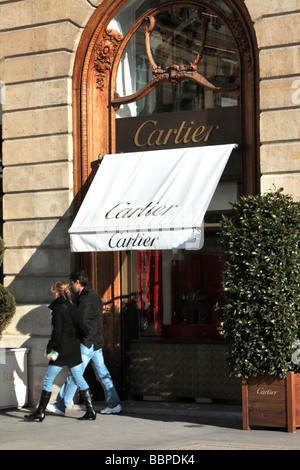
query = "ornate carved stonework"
x=105 y=53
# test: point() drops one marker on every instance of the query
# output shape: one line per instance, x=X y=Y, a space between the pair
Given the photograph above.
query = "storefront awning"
x=153 y=200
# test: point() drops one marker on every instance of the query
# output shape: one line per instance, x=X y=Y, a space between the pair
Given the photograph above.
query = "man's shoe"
x=110 y=411
x=53 y=409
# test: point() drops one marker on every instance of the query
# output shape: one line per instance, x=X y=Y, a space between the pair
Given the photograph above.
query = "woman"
x=63 y=349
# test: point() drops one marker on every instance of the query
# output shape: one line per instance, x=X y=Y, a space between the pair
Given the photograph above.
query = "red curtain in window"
x=150 y=286
x=141 y=262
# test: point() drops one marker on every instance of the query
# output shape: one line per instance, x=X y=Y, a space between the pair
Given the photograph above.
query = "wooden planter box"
x=272 y=402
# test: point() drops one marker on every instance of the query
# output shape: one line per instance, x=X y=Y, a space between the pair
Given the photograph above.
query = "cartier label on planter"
x=266 y=391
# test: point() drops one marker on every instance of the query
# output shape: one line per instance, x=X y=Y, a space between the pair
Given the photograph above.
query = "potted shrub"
x=260 y=318
x=13 y=362
x=7 y=300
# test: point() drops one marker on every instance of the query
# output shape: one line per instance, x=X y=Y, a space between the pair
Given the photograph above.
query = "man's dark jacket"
x=90 y=318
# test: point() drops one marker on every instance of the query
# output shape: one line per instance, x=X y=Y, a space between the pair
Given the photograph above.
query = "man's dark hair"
x=80 y=276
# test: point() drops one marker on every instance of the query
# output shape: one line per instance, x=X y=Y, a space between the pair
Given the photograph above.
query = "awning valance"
x=149 y=200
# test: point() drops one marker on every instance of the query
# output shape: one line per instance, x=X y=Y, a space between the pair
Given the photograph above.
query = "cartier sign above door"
x=178 y=130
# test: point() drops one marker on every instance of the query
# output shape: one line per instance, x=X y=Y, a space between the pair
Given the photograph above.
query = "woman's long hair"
x=63 y=290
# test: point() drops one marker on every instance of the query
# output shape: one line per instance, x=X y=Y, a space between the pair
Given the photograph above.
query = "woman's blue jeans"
x=75 y=372
x=68 y=390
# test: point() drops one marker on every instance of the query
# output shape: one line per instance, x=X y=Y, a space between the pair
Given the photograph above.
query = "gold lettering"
x=207 y=135
x=8 y=376
x=177 y=138
x=156 y=141
x=186 y=139
x=138 y=133
x=197 y=133
x=168 y=135
x=183 y=134
x=202 y=134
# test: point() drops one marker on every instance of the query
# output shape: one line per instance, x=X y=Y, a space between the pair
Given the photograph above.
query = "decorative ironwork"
x=192 y=67
x=174 y=74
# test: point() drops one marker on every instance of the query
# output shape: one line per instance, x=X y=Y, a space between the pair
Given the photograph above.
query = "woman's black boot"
x=39 y=414
x=87 y=398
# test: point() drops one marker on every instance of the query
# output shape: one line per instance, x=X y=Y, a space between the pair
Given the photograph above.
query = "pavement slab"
x=142 y=429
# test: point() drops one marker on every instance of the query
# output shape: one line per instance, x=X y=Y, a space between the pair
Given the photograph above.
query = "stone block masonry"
x=38 y=43
x=277 y=26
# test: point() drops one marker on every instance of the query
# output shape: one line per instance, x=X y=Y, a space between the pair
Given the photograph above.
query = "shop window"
x=177 y=293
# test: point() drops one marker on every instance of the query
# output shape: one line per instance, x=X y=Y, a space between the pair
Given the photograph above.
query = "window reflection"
x=178 y=293
x=176 y=40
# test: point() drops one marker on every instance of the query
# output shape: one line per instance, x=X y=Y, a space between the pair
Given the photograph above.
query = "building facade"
x=78 y=84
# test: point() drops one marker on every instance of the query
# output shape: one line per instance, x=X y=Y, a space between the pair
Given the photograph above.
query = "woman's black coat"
x=63 y=339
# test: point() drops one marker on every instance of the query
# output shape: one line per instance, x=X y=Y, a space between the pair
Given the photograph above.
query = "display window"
x=177 y=293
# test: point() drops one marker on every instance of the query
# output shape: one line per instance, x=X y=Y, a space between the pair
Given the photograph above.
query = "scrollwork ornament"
x=105 y=54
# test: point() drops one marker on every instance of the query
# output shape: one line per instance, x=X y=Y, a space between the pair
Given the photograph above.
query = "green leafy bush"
x=7 y=300
x=7 y=308
x=1 y=251
x=261 y=282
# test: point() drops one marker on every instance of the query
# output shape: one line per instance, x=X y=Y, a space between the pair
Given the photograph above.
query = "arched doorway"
x=138 y=60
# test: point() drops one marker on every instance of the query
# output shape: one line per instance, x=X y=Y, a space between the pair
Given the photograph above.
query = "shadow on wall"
x=50 y=262
x=35 y=324
x=36 y=268
x=44 y=257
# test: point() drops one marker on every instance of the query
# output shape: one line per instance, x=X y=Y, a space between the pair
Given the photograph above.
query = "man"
x=90 y=323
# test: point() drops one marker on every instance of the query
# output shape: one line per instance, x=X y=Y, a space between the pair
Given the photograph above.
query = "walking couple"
x=76 y=340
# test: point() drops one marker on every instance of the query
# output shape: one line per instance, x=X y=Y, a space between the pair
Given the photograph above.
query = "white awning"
x=149 y=200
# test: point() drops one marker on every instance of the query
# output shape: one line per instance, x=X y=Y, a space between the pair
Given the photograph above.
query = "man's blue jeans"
x=76 y=374
x=67 y=391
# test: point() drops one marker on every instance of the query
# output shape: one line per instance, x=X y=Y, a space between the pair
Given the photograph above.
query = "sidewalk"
x=142 y=426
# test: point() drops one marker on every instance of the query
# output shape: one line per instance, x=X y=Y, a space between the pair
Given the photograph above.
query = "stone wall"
x=277 y=26
x=38 y=43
